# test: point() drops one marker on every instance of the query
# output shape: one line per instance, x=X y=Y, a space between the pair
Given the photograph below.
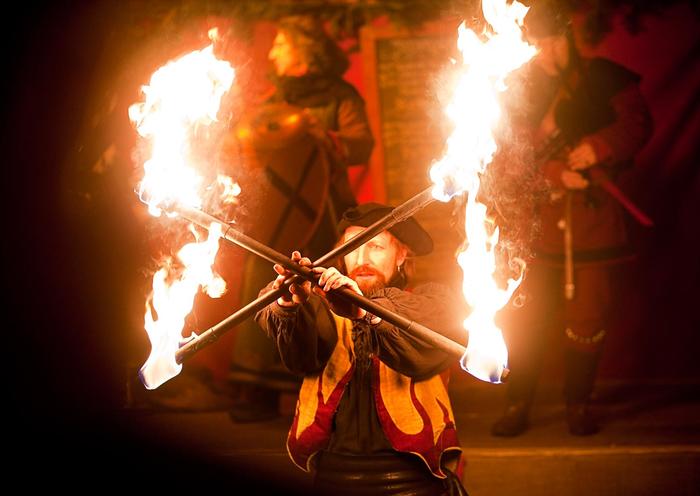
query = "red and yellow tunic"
x=369 y=390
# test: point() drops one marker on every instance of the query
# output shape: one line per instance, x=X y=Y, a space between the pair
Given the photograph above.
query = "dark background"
x=76 y=262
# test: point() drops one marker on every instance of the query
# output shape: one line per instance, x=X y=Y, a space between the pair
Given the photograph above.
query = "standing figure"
x=373 y=414
x=588 y=119
x=302 y=139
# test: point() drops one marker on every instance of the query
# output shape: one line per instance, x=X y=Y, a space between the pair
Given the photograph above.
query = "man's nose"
x=361 y=256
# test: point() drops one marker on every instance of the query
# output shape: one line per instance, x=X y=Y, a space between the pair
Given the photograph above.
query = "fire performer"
x=595 y=109
x=318 y=119
x=373 y=414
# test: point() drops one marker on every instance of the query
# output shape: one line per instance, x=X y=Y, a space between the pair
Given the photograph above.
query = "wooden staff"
x=398 y=214
x=204 y=220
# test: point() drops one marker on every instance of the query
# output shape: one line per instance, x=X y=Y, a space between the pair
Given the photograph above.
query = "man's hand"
x=559 y=175
x=573 y=180
x=331 y=279
x=329 y=139
x=582 y=157
x=298 y=293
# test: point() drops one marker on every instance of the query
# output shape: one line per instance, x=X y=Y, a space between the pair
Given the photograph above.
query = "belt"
x=384 y=474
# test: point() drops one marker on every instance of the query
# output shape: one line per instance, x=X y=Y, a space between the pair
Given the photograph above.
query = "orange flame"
x=183 y=96
x=475 y=112
x=172 y=301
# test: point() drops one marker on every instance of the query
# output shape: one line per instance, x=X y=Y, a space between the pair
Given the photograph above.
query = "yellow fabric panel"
x=428 y=392
x=307 y=403
x=395 y=391
x=338 y=365
x=340 y=361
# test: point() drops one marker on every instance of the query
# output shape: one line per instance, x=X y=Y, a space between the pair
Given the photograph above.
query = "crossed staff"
x=398 y=214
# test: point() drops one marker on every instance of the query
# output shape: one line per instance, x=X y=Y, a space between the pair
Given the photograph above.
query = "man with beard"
x=373 y=415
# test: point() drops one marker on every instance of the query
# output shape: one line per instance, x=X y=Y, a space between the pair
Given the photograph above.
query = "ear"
x=401 y=255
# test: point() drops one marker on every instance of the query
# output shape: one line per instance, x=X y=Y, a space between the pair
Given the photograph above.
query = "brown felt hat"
x=408 y=231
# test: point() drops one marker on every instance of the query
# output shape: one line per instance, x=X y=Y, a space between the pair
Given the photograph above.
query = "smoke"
x=511 y=186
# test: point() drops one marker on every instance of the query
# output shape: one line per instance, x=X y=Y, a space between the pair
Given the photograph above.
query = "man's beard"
x=369 y=286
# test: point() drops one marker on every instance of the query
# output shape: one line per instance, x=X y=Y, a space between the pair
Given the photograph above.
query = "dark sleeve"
x=628 y=133
x=353 y=131
x=609 y=112
x=305 y=335
x=431 y=305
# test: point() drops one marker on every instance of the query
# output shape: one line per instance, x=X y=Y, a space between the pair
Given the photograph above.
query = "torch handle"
x=410 y=326
x=398 y=214
x=418 y=330
x=213 y=333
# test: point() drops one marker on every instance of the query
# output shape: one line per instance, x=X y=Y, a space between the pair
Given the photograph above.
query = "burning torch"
x=474 y=111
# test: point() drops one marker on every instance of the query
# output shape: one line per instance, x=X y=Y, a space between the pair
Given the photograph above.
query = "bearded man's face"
x=373 y=264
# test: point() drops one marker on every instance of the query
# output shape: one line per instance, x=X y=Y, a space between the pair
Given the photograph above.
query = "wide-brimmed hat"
x=408 y=231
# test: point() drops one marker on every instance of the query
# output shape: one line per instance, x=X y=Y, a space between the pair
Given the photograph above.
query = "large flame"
x=475 y=112
x=182 y=98
x=172 y=300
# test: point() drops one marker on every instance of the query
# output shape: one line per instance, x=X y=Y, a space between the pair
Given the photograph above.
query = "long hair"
x=320 y=52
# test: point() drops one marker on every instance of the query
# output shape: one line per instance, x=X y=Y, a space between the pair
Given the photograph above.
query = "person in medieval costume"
x=587 y=119
x=373 y=414
x=302 y=140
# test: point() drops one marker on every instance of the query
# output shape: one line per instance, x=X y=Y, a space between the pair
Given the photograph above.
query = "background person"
x=596 y=110
x=308 y=76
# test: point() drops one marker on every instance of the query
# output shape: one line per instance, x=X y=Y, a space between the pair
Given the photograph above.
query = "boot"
x=580 y=419
x=513 y=422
